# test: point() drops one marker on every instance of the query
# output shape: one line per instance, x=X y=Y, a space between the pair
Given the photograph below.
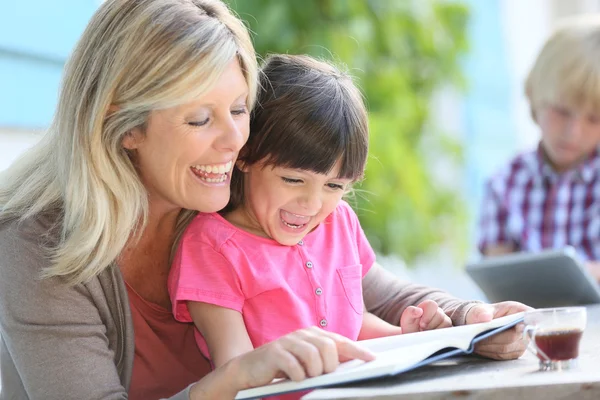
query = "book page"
x=459 y=336
x=395 y=354
x=385 y=364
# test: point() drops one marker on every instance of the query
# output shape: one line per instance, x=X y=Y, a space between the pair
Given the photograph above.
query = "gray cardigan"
x=77 y=342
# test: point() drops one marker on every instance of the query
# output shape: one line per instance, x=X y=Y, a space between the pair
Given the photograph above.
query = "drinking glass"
x=554 y=335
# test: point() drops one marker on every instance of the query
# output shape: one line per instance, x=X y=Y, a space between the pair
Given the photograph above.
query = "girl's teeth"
x=292 y=226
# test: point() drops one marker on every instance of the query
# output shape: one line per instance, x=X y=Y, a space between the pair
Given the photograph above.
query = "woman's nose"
x=233 y=135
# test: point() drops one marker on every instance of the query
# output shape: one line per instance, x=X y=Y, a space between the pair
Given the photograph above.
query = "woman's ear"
x=132 y=139
x=113 y=108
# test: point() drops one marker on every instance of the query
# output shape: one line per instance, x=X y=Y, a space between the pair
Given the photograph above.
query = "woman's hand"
x=507 y=345
x=301 y=354
x=424 y=317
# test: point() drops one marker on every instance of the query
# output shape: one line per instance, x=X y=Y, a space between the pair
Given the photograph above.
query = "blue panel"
x=490 y=130
x=36 y=37
x=43 y=27
x=29 y=92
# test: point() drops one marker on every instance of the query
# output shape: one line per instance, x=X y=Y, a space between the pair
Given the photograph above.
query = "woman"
x=154 y=91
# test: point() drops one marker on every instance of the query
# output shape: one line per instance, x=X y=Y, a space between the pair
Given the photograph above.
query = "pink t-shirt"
x=278 y=289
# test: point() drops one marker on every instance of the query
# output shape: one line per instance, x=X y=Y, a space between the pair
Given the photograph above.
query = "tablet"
x=550 y=278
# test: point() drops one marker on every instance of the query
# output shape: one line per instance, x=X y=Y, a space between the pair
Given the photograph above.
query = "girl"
x=287 y=252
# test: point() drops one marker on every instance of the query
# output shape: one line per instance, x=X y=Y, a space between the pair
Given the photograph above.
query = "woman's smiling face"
x=185 y=154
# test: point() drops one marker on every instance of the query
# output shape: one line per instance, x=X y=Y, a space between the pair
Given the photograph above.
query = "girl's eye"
x=199 y=123
x=290 y=180
x=335 y=186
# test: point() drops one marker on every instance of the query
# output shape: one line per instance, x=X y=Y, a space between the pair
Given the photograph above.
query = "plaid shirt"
x=531 y=206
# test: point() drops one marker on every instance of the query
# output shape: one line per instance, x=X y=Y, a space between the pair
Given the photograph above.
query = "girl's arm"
x=426 y=316
x=374 y=327
x=387 y=296
x=223 y=329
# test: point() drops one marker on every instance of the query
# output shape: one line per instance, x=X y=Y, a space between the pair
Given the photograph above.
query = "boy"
x=550 y=197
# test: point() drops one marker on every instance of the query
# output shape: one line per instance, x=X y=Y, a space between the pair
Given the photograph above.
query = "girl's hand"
x=424 y=317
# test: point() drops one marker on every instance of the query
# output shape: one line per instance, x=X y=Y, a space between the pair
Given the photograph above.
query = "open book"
x=395 y=355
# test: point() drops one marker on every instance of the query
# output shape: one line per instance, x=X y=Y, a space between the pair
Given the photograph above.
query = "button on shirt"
x=530 y=206
x=278 y=289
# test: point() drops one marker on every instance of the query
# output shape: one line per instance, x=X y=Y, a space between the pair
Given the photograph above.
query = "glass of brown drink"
x=554 y=335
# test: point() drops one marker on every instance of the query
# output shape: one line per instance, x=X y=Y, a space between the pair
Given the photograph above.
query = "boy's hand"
x=424 y=317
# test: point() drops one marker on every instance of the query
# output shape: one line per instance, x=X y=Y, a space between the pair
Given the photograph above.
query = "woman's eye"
x=290 y=180
x=241 y=111
x=199 y=123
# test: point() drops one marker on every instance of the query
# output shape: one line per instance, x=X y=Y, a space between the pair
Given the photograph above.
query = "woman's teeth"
x=214 y=169
x=214 y=180
x=215 y=173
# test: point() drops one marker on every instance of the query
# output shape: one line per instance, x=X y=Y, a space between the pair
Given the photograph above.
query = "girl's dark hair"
x=308 y=116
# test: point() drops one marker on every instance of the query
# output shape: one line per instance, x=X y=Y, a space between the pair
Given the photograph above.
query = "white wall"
x=527 y=25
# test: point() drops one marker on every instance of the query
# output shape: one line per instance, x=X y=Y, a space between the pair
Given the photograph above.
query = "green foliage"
x=401 y=52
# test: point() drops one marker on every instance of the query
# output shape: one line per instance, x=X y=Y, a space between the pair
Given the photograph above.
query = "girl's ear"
x=242 y=166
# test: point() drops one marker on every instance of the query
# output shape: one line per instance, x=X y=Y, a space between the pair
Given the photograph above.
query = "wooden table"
x=478 y=378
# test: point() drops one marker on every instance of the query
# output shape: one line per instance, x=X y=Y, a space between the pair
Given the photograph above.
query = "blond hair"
x=137 y=55
x=567 y=70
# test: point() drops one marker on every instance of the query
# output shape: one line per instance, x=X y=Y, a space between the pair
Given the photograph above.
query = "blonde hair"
x=137 y=55
x=567 y=70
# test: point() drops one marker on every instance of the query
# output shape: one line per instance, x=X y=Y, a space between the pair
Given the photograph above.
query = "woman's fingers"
x=288 y=364
x=500 y=351
x=514 y=335
x=506 y=345
x=301 y=354
x=335 y=348
x=349 y=350
x=312 y=351
x=326 y=349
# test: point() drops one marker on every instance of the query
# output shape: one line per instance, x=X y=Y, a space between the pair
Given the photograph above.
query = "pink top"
x=278 y=289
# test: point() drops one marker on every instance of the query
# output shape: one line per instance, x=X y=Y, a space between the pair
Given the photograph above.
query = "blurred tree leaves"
x=402 y=52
